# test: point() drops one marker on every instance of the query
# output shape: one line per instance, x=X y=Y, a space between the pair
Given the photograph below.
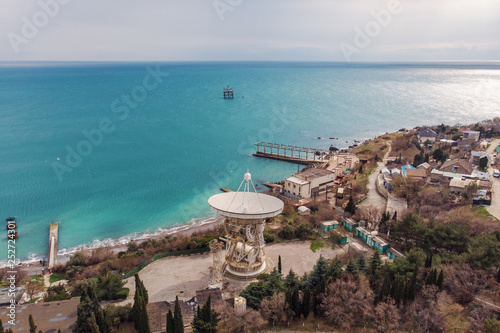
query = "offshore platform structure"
x=228 y=93
x=218 y=267
x=245 y=215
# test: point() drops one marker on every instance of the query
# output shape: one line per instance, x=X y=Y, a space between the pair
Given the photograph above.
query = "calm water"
x=164 y=153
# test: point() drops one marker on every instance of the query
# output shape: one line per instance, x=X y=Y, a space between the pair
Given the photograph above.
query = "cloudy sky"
x=312 y=30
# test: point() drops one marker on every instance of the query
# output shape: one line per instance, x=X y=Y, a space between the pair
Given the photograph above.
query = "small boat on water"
x=10 y=219
x=12 y=236
x=11 y=226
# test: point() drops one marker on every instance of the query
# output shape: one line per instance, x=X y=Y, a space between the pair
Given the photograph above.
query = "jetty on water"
x=288 y=153
x=53 y=242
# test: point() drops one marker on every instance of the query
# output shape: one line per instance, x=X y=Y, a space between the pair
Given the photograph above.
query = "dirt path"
x=373 y=197
x=494 y=208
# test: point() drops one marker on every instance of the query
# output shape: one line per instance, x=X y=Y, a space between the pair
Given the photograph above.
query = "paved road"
x=494 y=208
x=373 y=198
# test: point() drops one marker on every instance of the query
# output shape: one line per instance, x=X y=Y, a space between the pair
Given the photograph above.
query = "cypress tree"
x=375 y=262
x=178 y=321
x=397 y=291
x=288 y=298
x=428 y=279
x=413 y=285
x=279 y=264
x=498 y=275
x=144 y=291
x=395 y=216
x=296 y=303
x=58 y=331
x=101 y=317
x=321 y=287
x=93 y=327
x=351 y=206
x=361 y=263
x=352 y=267
x=136 y=316
x=139 y=312
x=206 y=319
x=315 y=304
x=439 y=281
x=384 y=291
x=306 y=302
x=32 y=324
x=434 y=276
x=170 y=322
x=1 y=327
x=428 y=261
x=83 y=314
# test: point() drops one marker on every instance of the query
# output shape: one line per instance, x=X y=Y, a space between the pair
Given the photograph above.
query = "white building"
x=308 y=184
x=474 y=135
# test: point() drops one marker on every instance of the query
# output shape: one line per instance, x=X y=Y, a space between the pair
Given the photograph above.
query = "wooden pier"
x=53 y=244
x=289 y=153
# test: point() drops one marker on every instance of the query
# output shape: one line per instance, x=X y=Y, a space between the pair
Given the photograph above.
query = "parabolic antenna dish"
x=245 y=205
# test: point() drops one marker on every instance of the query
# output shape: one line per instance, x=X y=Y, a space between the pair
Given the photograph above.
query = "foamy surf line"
x=64 y=254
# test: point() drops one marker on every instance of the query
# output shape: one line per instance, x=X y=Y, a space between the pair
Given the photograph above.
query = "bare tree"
x=348 y=302
x=235 y=322
x=19 y=274
x=275 y=309
x=463 y=282
x=371 y=214
x=477 y=316
x=423 y=314
x=33 y=287
x=387 y=316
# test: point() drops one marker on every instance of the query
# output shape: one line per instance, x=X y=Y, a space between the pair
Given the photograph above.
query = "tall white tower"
x=245 y=214
x=217 y=269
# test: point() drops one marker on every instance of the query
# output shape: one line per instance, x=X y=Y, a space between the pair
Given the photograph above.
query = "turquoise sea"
x=153 y=147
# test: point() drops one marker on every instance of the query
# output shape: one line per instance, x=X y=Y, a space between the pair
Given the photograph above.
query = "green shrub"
x=287 y=232
x=56 y=293
x=204 y=241
x=303 y=231
x=73 y=270
x=269 y=237
x=57 y=297
x=111 y=288
x=122 y=312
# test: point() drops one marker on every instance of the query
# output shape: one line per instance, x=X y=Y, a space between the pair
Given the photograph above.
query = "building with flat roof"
x=48 y=316
x=326 y=226
x=309 y=184
x=339 y=236
x=474 y=135
x=394 y=254
x=349 y=224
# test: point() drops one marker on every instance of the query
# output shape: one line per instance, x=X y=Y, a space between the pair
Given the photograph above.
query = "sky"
x=254 y=30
